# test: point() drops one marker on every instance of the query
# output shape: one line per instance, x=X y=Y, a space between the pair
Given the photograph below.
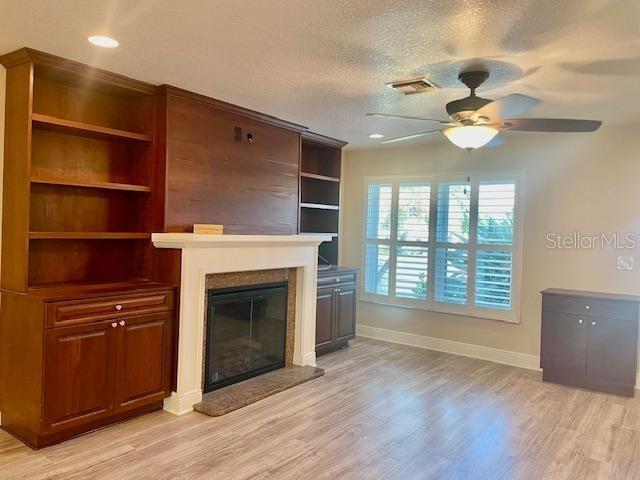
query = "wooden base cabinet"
x=82 y=361
x=590 y=340
x=336 y=309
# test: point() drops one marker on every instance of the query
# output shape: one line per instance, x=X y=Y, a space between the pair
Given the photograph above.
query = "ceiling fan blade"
x=495 y=142
x=405 y=117
x=409 y=137
x=551 y=125
x=504 y=107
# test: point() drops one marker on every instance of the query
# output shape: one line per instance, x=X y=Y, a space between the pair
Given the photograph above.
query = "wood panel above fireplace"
x=228 y=166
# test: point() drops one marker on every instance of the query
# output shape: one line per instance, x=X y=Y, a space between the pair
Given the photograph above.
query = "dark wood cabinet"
x=345 y=298
x=336 y=309
x=590 y=340
x=324 y=317
x=143 y=360
x=85 y=356
x=78 y=376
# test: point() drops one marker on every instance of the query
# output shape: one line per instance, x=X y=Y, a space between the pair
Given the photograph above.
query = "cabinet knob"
x=587 y=307
x=593 y=323
x=114 y=324
x=580 y=321
x=118 y=307
x=338 y=290
x=122 y=323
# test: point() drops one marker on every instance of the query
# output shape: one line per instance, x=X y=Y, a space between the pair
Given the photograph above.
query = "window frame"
x=430 y=304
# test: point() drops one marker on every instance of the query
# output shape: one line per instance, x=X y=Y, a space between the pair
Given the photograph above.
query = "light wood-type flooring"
x=381 y=411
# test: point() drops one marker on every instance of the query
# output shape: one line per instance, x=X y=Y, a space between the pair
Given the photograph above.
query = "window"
x=443 y=244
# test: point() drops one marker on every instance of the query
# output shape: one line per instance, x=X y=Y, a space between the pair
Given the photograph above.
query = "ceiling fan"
x=477 y=122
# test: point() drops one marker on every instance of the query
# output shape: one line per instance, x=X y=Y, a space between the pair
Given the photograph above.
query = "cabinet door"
x=564 y=344
x=611 y=350
x=345 y=313
x=143 y=360
x=324 y=317
x=78 y=375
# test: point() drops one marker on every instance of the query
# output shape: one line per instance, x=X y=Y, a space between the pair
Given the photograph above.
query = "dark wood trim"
x=323 y=140
x=331 y=347
x=44 y=441
x=228 y=107
x=26 y=55
x=16 y=178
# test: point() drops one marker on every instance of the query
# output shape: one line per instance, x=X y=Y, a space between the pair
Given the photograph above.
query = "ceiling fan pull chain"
x=466 y=170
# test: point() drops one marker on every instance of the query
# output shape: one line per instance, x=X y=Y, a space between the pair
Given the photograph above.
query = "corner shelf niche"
x=320 y=191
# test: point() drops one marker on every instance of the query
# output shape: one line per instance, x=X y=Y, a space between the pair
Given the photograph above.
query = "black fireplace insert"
x=245 y=333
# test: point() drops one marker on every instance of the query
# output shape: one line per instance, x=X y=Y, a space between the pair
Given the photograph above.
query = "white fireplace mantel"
x=204 y=254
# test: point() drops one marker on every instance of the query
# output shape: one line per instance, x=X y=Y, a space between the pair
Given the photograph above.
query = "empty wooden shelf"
x=65 y=182
x=84 y=129
x=319 y=206
x=319 y=177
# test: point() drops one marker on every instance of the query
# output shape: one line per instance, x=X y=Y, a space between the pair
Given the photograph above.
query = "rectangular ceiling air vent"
x=414 y=85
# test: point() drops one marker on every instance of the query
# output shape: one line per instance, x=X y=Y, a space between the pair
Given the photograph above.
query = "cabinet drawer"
x=594 y=307
x=336 y=278
x=91 y=310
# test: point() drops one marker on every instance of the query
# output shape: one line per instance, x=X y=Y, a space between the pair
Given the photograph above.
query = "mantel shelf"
x=89 y=235
x=319 y=206
x=90 y=184
x=319 y=177
x=85 y=129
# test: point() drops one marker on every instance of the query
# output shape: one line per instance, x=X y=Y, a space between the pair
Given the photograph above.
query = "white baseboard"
x=309 y=359
x=506 y=357
x=181 y=404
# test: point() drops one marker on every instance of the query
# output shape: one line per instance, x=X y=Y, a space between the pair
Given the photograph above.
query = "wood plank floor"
x=381 y=411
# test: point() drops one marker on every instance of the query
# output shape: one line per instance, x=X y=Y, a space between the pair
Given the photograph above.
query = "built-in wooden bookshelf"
x=78 y=174
x=320 y=167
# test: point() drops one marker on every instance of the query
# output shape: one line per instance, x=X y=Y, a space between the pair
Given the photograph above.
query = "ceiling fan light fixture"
x=470 y=137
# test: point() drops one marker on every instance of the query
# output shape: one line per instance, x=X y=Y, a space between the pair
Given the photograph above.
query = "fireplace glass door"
x=246 y=331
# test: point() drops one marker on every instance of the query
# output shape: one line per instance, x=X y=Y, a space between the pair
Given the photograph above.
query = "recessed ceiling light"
x=102 y=41
x=376 y=135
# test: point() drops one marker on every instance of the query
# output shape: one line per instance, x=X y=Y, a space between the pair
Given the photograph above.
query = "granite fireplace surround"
x=246 y=279
x=217 y=261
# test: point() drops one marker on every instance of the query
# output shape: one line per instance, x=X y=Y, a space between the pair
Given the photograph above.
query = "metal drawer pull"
x=114 y=324
x=118 y=307
x=580 y=321
x=593 y=323
x=122 y=323
x=587 y=307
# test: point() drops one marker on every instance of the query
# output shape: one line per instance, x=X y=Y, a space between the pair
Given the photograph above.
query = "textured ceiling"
x=324 y=63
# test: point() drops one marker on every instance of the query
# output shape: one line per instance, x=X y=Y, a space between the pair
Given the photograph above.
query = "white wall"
x=573 y=182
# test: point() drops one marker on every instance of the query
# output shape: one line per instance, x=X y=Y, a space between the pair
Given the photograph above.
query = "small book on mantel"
x=209 y=228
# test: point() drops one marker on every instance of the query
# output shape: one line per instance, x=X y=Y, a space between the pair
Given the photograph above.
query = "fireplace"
x=246 y=329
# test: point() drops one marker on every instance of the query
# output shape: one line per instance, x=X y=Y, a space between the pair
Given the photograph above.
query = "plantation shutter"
x=494 y=257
